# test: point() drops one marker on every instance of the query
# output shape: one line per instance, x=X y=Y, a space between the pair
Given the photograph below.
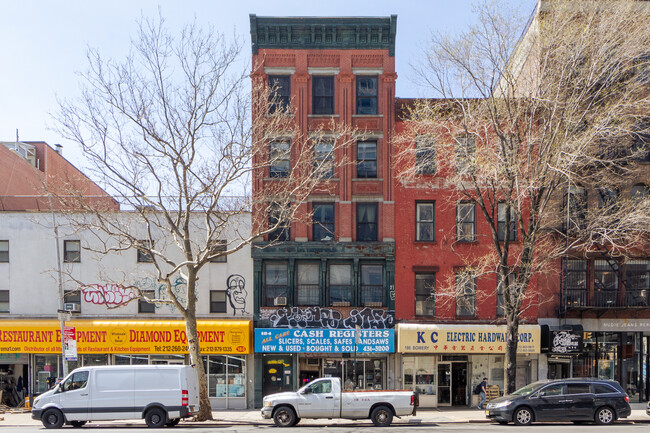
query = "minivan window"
x=601 y=388
x=552 y=390
x=76 y=381
x=578 y=388
x=528 y=389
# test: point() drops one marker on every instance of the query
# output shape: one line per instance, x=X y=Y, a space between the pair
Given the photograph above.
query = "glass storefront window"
x=236 y=377
x=226 y=375
x=90 y=360
x=45 y=366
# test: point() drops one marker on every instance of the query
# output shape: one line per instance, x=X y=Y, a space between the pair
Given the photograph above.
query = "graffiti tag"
x=319 y=317
x=111 y=294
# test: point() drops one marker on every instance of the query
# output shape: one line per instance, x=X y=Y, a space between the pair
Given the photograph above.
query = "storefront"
x=292 y=357
x=225 y=346
x=443 y=363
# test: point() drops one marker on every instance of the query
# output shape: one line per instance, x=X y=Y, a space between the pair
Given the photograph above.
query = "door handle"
x=83 y=394
x=329 y=397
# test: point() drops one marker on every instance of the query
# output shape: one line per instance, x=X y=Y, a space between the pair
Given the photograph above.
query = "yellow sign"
x=420 y=338
x=126 y=337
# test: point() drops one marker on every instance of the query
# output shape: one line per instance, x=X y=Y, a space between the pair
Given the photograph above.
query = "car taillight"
x=627 y=398
x=185 y=399
x=412 y=399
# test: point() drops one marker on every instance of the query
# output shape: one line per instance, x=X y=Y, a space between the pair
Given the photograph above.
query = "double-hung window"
x=512 y=291
x=367 y=219
x=465 y=294
x=575 y=285
x=4 y=251
x=323 y=223
x=308 y=287
x=143 y=305
x=372 y=285
x=465 y=152
x=71 y=251
x=425 y=221
x=367 y=159
x=279 y=159
x=425 y=294
x=276 y=284
x=466 y=222
x=219 y=246
x=323 y=94
x=279 y=222
x=324 y=159
x=425 y=154
x=144 y=255
x=279 y=93
x=4 y=301
x=504 y=226
x=340 y=284
x=217 y=301
x=367 y=95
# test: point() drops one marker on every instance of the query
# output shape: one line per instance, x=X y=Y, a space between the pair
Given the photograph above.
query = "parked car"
x=161 y=394
x=577 y=400
x=647 y=409
x=323 y=398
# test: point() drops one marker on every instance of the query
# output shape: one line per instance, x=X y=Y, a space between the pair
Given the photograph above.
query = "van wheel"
x=155 y=417
x=381 y=416
x=77 y=424
x=284 y=417
x=173 y=422
x=523 y=416
x=52 y=418
x=605 y=415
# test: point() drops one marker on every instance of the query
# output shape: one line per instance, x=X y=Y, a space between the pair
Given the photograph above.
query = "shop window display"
x=226 y=376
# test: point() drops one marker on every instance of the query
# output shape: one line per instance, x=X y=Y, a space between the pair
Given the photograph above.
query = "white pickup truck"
x=323 y=398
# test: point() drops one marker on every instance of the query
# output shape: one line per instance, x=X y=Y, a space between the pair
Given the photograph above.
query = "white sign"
x=70 y=343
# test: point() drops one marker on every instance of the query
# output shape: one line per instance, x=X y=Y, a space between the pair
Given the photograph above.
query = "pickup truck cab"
x=323 y=398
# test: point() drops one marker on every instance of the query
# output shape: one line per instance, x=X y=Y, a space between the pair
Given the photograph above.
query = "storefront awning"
x=430 y=338
x=126 y=336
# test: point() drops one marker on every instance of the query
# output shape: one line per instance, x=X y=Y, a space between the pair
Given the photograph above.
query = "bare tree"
x=523 y=119
x=169 y=131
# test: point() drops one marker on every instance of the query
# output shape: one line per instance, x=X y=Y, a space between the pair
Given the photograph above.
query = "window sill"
x=432 y=242
x=362 y=179
x=280 y=115
x=475 y=241
x=366 y=115
x=276 y=178
x=322 y=115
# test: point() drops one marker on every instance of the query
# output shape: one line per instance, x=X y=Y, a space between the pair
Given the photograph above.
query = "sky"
x=43 y=44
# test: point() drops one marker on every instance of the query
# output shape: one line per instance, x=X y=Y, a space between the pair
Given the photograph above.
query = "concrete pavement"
x=252 y=417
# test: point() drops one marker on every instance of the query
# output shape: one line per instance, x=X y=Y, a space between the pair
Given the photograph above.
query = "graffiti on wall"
x=320 y=317
x=237 y=293
x=110 y=294
x=179 y=288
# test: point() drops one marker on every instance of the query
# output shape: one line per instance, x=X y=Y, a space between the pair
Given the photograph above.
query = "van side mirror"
x=306 y=391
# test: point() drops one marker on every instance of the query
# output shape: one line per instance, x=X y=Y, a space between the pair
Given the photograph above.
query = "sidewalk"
x=252 y=417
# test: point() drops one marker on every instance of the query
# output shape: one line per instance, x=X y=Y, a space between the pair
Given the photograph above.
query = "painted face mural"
x=237 y=293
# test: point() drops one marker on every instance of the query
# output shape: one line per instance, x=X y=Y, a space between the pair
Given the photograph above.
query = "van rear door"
x=113 y=396
x=192 y=383
x=159 y=384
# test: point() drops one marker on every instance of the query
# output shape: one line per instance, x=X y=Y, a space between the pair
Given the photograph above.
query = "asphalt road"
x=361 y=428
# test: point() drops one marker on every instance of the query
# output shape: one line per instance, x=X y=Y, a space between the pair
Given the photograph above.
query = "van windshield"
x=76 y=380
x=529 y=389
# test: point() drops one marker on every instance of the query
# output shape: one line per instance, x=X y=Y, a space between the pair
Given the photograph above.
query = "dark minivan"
x=577 y=399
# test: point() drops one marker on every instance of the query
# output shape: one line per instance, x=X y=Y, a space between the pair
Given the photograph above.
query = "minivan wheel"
x=604 y=415
x=284 y=417
x=155 y=418
x=523 y=416
x=381 y=416
x=52 y=418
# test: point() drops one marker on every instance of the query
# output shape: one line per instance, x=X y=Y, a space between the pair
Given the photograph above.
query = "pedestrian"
x=483 y=393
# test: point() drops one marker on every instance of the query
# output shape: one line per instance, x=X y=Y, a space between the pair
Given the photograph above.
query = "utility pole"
x=60 y=312
x=357 y=340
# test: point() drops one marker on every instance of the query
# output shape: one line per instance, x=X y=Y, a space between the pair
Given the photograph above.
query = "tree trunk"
x=205 y=410
x=510 y=365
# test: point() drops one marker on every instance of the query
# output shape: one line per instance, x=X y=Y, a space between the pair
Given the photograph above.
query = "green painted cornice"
x=324 y=33
x=324 y=250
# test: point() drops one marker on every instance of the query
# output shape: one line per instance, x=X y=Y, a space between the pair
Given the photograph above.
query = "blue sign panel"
x=273 y=340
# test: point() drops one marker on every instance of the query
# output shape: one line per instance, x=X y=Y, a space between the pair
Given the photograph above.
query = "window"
x=465 y=152
x=425 y=221
x=279 y=93
x=366 y=95
x=637 y=273
x=322 y=387
x=72 y=297
x=372 y=285
x=640 y=191
x=308 y=289
x=282 y=231
x=425 y=154
x=601 y=388
x=4 y=251
x=553 y=390
x=576 y=283
x=367 y=159
x=217 y=301
x=607 y=199
x=367 y=222
x=503 y=226
x=641 y=141
x=606 y=282
x=323 y=224
x=4 y=301
x=276 y=284
x=323 y=94
x=77 y=381
x=425 y=294
x=143 y=253
x=466 y=222
x=143 y=305
x=501 y=306
x=578 y=388
x=577 y=203
x=465 y=295
x=324 y=159
x=279 y=159
x=72 y=251
x=219 y=246
x=340 y=285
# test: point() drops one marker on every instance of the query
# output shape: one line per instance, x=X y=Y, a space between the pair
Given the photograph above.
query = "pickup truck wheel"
x=284 y=417
x=155 y=418
x=381 y=416
x=52 y=418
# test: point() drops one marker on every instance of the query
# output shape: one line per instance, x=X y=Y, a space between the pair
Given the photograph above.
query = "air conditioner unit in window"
x=280 y=301
x=73 y=307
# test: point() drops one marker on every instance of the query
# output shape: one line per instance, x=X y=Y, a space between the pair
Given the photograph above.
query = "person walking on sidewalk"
x=482 y=393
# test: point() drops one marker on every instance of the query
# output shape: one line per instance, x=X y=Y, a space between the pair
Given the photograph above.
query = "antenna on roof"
x=16 y=148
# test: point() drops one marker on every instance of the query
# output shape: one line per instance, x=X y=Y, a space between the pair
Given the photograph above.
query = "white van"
x=161 y=394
